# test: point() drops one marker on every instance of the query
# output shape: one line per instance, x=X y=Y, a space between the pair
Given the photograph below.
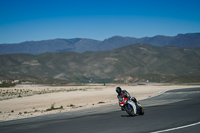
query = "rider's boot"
x=122 y=108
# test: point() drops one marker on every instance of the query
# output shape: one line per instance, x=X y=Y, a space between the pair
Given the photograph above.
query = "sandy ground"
x=66 y=98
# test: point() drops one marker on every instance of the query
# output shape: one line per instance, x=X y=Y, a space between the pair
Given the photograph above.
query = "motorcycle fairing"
x=133 y=105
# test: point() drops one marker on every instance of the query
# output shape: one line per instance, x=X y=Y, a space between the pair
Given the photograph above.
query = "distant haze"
x=82 y=45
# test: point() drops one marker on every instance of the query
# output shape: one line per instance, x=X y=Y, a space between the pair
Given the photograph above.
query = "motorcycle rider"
x=126 y=94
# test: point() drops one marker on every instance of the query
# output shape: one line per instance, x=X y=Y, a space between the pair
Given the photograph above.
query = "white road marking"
x=171 y=129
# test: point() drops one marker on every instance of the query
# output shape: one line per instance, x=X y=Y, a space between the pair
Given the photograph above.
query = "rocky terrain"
x=133 y=63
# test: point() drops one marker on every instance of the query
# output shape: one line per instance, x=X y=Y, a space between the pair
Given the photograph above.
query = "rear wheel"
x=129 y=109
x=141 y=112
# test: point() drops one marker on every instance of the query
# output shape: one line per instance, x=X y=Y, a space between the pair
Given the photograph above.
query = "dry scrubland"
x=24 y=101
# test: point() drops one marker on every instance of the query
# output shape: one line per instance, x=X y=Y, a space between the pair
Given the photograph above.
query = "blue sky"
x=33 y=20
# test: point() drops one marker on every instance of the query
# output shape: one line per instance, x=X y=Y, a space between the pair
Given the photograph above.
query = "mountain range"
x=132 y=63
x=81 y=45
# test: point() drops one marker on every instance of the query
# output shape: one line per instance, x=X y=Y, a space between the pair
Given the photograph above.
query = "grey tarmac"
x=163 y=113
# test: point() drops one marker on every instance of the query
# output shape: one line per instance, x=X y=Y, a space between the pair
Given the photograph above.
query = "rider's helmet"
x=118 y=90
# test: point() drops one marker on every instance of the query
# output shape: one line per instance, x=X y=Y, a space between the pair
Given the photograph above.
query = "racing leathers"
x=127 y=95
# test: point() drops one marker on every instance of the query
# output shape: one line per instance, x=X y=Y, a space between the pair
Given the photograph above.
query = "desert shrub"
x=101 y=102
x=7 y=84
x=71 y=105
x=19 y=95
x=53 y=107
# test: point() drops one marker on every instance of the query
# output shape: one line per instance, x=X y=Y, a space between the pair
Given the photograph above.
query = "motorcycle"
x=131 y=106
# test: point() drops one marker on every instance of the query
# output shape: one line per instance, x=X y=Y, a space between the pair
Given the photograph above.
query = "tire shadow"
x=127 y=116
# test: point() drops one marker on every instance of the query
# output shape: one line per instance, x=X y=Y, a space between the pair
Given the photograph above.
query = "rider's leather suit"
x=127 y=95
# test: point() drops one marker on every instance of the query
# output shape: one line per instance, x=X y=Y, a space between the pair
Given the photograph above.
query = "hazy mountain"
x=81 y=45
x=137 y=62
x=56 y=45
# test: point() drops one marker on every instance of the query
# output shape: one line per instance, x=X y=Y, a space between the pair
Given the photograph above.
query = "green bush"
x=101 y=102
x=53 y=107
x=7 y=84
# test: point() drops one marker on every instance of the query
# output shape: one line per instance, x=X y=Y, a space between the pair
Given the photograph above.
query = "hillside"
x=134 y=63
x=81 y=45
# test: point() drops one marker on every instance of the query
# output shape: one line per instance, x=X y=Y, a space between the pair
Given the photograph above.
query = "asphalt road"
x=176 y=111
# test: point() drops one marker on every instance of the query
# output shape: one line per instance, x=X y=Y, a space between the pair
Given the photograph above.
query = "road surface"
x=175 y=111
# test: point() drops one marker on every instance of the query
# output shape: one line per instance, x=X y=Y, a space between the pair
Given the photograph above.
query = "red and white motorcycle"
x=131 y=106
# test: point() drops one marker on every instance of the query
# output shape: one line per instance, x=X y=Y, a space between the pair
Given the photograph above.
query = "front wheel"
x=129 y=109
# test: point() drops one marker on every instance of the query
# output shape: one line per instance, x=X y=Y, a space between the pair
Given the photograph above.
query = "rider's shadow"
x=127 y=116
